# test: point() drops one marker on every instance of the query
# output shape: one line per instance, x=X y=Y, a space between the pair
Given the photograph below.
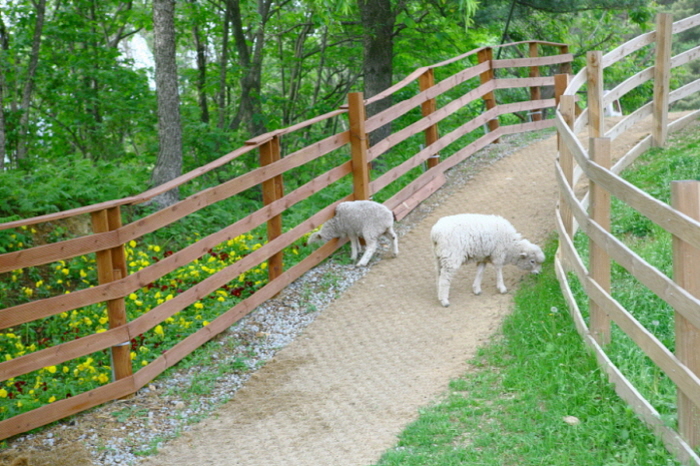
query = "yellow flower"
x=102 y=378
x=132 y=243
x=100 y=330
x=3 y=393
x=39 y=283
x=52 y=399
x=132 y=355
x=83 y=274
x=133 y=297
x=156 y=248
x=51 y=369
x=205 y=323
x=198 y=305
x=65 y=369
x=159 y=330
x=144 y=363
x=65 y=271
x=28 y=291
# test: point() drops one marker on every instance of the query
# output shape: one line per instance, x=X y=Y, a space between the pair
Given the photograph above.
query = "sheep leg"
x=355 y=247
x=395 y=240
x=370 y=248
x=443 y=284
x=499 y=278
x=476 y=287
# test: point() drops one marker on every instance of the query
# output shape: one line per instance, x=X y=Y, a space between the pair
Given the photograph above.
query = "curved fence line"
x=590 y=214
x=412 y=163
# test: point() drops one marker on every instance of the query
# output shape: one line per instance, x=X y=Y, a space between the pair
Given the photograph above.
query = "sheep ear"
x=523 y=255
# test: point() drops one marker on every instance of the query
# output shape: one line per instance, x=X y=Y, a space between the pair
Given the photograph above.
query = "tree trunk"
x=250 y=60
x=4 y=46
x=223 y=64
x=29 y=83
x=169 y=162
x=202 y=71
x=378 y=20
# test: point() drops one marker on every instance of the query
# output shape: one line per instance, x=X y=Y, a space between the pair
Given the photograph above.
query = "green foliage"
x=67 y=183
x=653 y=172
x=49 y=384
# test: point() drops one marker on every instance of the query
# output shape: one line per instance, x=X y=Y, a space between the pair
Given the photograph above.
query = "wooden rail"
x=590 y=215
x=352 y=158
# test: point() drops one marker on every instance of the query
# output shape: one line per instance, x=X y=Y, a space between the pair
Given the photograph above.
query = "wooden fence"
x=590 y=214
x=479 y=78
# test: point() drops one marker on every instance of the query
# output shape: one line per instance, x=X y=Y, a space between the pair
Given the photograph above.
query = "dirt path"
x=341 y=392
x=358 y=375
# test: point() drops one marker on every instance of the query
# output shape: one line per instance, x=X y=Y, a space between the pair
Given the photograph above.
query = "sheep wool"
x=463 y=238
x=360 y=219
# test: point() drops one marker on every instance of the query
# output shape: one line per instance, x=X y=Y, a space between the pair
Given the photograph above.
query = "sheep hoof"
x=477 y=292
x=503 y=290
x=445 y=304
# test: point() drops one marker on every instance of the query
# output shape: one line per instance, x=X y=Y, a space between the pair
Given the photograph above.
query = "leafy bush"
x=66 y=184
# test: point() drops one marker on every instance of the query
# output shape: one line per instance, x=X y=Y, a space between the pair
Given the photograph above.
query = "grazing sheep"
x=359 y=219
x=463 y=238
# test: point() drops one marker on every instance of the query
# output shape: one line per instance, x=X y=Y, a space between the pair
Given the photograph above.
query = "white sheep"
x=359 y=219
x=458 y=239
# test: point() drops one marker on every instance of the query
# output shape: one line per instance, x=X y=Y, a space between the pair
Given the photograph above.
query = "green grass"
x=510 y=407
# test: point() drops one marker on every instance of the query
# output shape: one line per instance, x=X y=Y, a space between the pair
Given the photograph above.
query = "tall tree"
x=378 y=18
x=40 y=6
x=169 y=162
x=250 y=39
x=4 y=48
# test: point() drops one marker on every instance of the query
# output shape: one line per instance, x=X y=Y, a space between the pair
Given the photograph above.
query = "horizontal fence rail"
x=589 y=214
x=471 y=82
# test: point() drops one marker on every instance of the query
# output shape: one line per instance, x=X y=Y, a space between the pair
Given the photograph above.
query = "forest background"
x=81 y=121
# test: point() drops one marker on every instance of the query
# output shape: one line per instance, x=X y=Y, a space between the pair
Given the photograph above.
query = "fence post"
x=567 y=108
x=599 y=269
x=358 y=145
x=685 y=197
x=594 y=71
x=111 y=266
x=486 y=55
x=426 y=81
x=535 y=93
x=662 y=78
x=272 y=190
x=565 y=68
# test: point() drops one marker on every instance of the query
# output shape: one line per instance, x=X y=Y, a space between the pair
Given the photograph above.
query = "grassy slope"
x=512 y=406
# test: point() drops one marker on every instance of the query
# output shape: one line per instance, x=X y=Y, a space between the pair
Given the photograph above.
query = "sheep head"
x=530 y=257
x=326 y=233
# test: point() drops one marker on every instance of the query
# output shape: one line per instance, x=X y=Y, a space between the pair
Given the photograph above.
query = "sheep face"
x=315 y=238
x=530 y=257
x=326 y=233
